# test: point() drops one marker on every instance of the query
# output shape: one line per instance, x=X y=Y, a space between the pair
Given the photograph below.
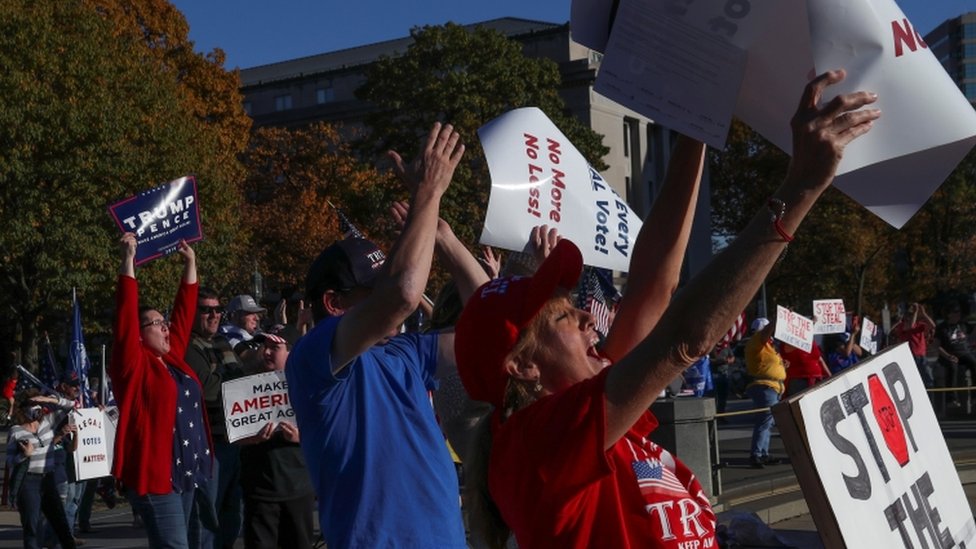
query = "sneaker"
x=757 y=462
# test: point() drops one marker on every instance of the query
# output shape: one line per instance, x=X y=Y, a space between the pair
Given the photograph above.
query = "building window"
x=283 y=102
x=247 y=108
x=325 y=95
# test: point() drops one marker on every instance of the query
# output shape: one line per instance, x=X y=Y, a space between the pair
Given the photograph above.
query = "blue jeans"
x=72 y=500
x=925 y=370
x=39 y=494
x=224 y=492
x=166 y=518
x=762 y=397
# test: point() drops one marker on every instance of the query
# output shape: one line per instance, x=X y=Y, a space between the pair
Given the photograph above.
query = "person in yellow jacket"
x=768 y=372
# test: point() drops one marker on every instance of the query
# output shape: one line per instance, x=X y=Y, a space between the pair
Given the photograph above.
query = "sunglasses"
x=206 y=310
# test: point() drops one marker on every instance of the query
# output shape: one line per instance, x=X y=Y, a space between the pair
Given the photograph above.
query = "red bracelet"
x=778 y=209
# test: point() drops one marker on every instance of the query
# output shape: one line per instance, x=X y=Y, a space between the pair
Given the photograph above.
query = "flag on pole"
x=735 y=333
x=345 y=226
x=50 y=372
x=78 y=356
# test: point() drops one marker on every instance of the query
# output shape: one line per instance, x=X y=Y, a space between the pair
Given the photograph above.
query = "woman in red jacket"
x=163 y=450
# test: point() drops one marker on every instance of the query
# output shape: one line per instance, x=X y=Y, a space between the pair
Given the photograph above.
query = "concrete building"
x=322 y=88
x=954 y=45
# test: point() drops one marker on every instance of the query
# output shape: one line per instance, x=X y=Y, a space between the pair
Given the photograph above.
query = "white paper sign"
x=93 y=458
x=829 y=316
x=927 y=125
x=879 y=453
x=671 y=71
x=794 y=329
x=539 y=178
x=252 y=402
x=869 y=336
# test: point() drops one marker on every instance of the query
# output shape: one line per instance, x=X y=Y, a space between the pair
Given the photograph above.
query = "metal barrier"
x=717 y=464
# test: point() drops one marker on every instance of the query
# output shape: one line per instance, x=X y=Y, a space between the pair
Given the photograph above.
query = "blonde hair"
x=484 y=518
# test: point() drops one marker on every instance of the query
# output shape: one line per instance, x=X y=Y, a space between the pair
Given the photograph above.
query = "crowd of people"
x=561 y=453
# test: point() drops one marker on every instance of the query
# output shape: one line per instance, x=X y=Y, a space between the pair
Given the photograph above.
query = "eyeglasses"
x=162 y=323
x=207 y=309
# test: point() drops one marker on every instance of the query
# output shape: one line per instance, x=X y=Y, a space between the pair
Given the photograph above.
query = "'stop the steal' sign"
x=829 y=316
x=160 y=218
x=539 y=178
x=872 y=461
x=794 y=329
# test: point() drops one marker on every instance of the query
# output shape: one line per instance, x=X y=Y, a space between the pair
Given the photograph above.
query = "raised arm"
x=125 y=335
x=399 y=287
x=659 y=251
x=699 y=315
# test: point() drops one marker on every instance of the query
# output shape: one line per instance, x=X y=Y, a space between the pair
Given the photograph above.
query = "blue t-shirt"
x=376 y=456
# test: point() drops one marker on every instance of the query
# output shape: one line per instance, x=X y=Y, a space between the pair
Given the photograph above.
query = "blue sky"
x=257 y=32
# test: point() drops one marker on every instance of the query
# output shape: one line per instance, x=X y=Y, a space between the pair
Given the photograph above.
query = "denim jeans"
x=224 y=492
x=166 y=518
x=39 y=494
x=71 y=502
x=762 y=397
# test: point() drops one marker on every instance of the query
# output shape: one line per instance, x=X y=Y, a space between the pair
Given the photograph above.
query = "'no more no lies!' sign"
x=539 y=178
x=872 y=461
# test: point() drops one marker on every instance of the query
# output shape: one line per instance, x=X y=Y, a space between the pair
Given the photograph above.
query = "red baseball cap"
x=496 y=314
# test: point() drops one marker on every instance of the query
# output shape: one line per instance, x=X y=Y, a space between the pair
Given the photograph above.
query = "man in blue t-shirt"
x=360 y=390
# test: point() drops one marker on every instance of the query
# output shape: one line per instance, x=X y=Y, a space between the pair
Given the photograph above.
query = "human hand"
x=281 y=313
x=491 y=261
x=27 y=447
x=128 y=245
x=304 y=319
x=435 y=167
x=542 y=240
x=290 y=432
x=400 y=209
x=186 y=251
x=263 y=435
x=68 y=429
x=820 y=133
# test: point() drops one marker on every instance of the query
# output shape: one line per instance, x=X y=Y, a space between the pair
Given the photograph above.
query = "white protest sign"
x=539 y=178
x=252 y=402
x=794 y=329
x=93 y=458
x=829 y=316
x=927 y=125
x=648 y=68
x=869 y=336
x=872 y=460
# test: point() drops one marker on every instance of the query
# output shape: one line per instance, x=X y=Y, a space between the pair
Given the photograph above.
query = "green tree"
x=90 y=116
x=465 y=77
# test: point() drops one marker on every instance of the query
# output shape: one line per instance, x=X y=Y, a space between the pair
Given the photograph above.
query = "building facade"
x=954 y=44
x=322 y=88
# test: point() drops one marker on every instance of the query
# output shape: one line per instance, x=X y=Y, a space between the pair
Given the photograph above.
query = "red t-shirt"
x=556 y=486
x=803 y=365
x=915 y=336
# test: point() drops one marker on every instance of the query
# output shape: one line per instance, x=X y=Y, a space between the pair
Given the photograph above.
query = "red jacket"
x=146 y=392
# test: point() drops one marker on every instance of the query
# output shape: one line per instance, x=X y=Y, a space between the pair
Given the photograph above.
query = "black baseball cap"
x=349 y=263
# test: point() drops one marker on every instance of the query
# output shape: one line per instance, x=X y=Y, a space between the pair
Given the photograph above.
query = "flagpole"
x=104 y=386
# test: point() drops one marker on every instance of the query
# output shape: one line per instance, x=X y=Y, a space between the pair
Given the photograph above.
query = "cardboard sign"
x=160 y=218
x=539 y=178
x=872 y=461
x=252 y=402
x=96 y=440
x=869 y=336
x=794 y=329
x=891 y=171
x=829 y=316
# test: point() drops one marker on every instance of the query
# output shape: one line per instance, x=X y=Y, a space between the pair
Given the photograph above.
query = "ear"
x=332 y=303
x=522 y=370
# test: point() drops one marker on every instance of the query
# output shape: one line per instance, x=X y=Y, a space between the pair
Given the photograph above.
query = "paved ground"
x=771 y=492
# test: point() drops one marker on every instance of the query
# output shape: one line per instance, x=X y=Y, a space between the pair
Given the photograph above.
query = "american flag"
x=734 y=335
x=596 y=295
x=654 y=478
x=50 y=370
x=345 y=226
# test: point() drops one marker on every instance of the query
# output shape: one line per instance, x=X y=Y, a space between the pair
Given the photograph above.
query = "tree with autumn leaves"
x=842 y=250
x=103 y=99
